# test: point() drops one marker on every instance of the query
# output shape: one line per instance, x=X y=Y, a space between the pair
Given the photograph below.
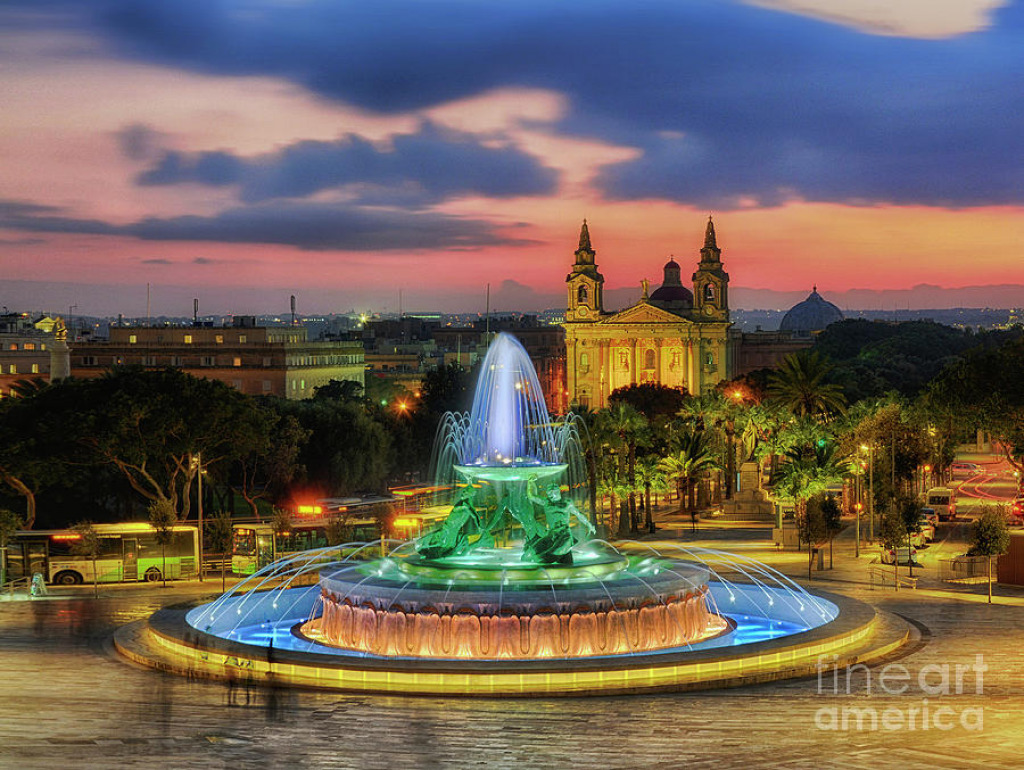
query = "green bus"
x=127 y=551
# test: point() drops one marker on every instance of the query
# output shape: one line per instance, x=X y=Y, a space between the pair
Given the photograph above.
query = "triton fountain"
x=511 y=594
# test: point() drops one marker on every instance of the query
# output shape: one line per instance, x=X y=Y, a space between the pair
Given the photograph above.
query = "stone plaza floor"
x=68 y=700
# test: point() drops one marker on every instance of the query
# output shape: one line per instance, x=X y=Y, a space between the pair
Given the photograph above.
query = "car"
x=927 y=530
x=1015 y=513
x=963 y=469
x=905 y=555
x=930 y=515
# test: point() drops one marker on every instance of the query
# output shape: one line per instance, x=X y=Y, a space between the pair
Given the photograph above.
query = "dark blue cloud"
x=427 y=166
x=727 y=102
x=309 y=226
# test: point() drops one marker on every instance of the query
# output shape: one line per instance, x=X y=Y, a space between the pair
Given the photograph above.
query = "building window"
x=266 y=361
x=219 y=339
x=582 y=295
x=242 y=339
x=236 y=384
x=13 y=369
x=132 y=339
x=30 y=346
x=237 y=361
x=35 y=368
x=295 y=385
x=266 y=386
x=709 y=293
x=88 y=360
x=584 y=361
x=207 y=360
x=302 y=384
x=188 y=339
x=649 y=358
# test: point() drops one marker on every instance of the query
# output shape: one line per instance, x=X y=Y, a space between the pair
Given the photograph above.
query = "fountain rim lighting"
x=855 y=635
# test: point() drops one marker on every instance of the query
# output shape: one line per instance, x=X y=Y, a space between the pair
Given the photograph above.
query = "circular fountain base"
x=756 y=649
x=409 y=608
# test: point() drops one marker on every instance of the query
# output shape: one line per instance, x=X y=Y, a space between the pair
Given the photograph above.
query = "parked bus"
x=257 y=545
x=127 y=551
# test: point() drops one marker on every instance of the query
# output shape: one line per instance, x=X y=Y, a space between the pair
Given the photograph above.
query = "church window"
x=582 y=295
x=584 y=361
x=649 y=359
x=709 y=293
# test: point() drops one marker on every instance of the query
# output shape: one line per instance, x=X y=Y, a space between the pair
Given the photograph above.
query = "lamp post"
x=198 y=465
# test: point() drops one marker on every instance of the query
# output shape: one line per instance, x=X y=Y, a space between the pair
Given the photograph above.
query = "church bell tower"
x=710 y=282
x=585 y=284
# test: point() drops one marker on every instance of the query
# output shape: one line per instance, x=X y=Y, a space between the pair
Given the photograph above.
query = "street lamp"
x=197 y=465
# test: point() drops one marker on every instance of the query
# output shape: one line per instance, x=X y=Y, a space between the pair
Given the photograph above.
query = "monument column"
x=60 y=354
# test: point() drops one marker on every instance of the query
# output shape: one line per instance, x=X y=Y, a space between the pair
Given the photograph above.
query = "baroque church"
x=672 y=336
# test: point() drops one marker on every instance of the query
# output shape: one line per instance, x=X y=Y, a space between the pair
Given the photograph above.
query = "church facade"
x=674 y=336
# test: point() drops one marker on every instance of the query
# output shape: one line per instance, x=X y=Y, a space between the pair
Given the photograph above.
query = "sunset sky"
x=243 y=150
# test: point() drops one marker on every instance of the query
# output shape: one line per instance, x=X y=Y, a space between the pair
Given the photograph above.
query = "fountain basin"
x=385 y=613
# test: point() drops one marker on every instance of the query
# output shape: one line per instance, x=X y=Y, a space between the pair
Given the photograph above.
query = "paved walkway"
x=67 y=699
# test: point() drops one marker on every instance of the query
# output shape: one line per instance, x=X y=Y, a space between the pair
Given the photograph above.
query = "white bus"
x=128 y=551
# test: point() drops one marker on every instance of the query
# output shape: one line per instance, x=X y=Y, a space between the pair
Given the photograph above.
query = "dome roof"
x=672 y=294
x=811 y=315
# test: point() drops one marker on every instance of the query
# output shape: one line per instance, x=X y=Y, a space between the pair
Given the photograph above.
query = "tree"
x=281 y=523
x=32 y=449
x=10 y=523
x=150 y=425
x=990 y=538
x=88 y=545
x=339 y=390
x=220 y=532
x=649 y=475
x=812 y=524
x=891 y=533
x=585 y=420
x=627 y=428
x=807 y=472
x=801 y=384
x=163 y=518
x=690 y=460
x=264 y=469
x=346 y=451
x=986 y=390
x=908 y=511
x=833 y=518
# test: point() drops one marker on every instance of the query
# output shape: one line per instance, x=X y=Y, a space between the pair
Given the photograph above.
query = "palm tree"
x=586 y=419
x=629 y=429
x=806 y=472
x=691 y=459
x=800 y=384
x=648 y=475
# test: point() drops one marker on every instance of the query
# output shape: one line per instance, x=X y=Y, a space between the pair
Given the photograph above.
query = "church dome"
x=811 y=315
x=672 y=295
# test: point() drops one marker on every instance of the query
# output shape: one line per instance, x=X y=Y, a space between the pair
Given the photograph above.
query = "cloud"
x=138 y=141
x=433 y=162
x=770 y=106
x=157 y=261
x=309 y=226
x=910 y=18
